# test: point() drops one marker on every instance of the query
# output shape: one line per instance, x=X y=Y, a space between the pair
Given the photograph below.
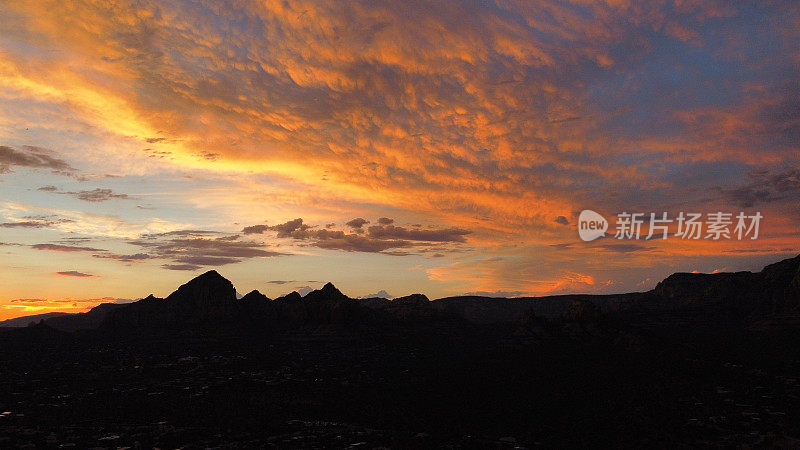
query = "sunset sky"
x=405 y=146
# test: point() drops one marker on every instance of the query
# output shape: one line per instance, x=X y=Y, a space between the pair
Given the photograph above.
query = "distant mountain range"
x=701 y=360
x=209 y=304
x=24 y=321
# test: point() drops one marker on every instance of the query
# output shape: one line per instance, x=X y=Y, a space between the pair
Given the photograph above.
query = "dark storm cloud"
x=32 y=157
x=74 y=273
x=358 y=243
x=377 y=239
x=434 y=235
x=293 y=228
x=255 y=229
x=357 y=222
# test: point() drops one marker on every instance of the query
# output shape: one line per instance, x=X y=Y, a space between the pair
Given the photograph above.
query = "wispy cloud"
x=190 y=250
x=65 y=248
x=94 y=195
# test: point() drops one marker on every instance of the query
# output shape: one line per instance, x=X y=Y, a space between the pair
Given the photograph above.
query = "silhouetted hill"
x=67 y=321
x=24 y=321
x=483 y=310
x=324 y=311
x=83 y=321
x=746 y=295
x=254 y=296
x=34 y=333
x=775 y=288
x=208 y=293
x=206 y=304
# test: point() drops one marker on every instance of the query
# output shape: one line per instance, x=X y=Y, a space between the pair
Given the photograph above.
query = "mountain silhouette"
x=699 y=360
x=209 y=292
x=208 y=304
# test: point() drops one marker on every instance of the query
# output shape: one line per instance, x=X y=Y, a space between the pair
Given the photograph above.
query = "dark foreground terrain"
x=702 y=360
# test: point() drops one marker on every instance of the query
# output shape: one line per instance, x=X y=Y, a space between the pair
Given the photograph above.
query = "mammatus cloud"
x=74 y=273
x=500 y=114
